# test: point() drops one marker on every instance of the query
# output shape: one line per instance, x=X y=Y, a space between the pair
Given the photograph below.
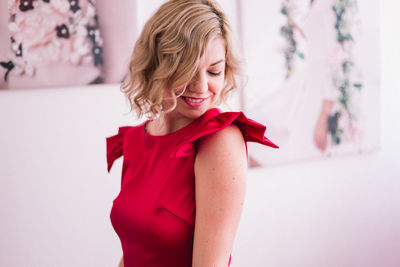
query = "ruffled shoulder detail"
x=114 y=146
x=214 y=121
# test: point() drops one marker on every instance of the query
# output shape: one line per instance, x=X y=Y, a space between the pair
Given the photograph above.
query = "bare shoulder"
x=222 y=152
x=229 y=139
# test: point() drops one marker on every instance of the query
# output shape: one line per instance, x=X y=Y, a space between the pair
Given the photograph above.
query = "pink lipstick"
x=193 y=102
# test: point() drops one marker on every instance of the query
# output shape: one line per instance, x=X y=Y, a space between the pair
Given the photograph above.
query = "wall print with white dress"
x=312 y=77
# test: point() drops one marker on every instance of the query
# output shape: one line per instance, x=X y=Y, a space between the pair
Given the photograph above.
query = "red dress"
x=154 y=214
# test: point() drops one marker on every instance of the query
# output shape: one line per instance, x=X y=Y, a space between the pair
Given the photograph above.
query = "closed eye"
x=215 y=73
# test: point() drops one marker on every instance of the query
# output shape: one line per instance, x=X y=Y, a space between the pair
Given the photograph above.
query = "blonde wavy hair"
x=168 y=50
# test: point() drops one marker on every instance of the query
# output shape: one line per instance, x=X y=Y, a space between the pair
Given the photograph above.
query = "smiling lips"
x=193 y=101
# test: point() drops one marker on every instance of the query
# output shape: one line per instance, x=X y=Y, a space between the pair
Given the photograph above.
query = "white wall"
x=56 y=195
x=342 y=212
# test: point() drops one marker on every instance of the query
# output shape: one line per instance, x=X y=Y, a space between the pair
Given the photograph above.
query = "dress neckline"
x=204 y=117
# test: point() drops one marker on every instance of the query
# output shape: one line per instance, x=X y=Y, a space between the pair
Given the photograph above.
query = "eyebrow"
x=219 y=61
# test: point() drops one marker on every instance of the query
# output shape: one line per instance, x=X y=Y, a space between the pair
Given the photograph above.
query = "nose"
x=199 y=83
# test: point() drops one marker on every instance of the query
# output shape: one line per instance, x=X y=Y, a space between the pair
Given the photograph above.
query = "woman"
x=184 y=170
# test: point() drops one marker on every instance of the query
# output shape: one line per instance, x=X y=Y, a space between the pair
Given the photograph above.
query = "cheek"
x=216 y=91
x=217 y=86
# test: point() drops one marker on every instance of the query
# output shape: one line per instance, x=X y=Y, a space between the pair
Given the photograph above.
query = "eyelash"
x=215 y=73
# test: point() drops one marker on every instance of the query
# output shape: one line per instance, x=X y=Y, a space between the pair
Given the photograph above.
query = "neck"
x=166 y=124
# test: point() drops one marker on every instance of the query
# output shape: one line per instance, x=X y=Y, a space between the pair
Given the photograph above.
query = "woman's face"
x=203 y=91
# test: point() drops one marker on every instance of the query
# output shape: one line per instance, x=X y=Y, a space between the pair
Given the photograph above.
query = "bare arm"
x=220 y=171
x=321 y=126
x=121 y=263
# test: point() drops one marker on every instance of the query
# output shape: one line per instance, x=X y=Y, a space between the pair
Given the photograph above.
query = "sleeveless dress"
x=154 y=213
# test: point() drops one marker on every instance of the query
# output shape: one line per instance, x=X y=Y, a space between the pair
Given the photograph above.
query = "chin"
x=194 y=114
